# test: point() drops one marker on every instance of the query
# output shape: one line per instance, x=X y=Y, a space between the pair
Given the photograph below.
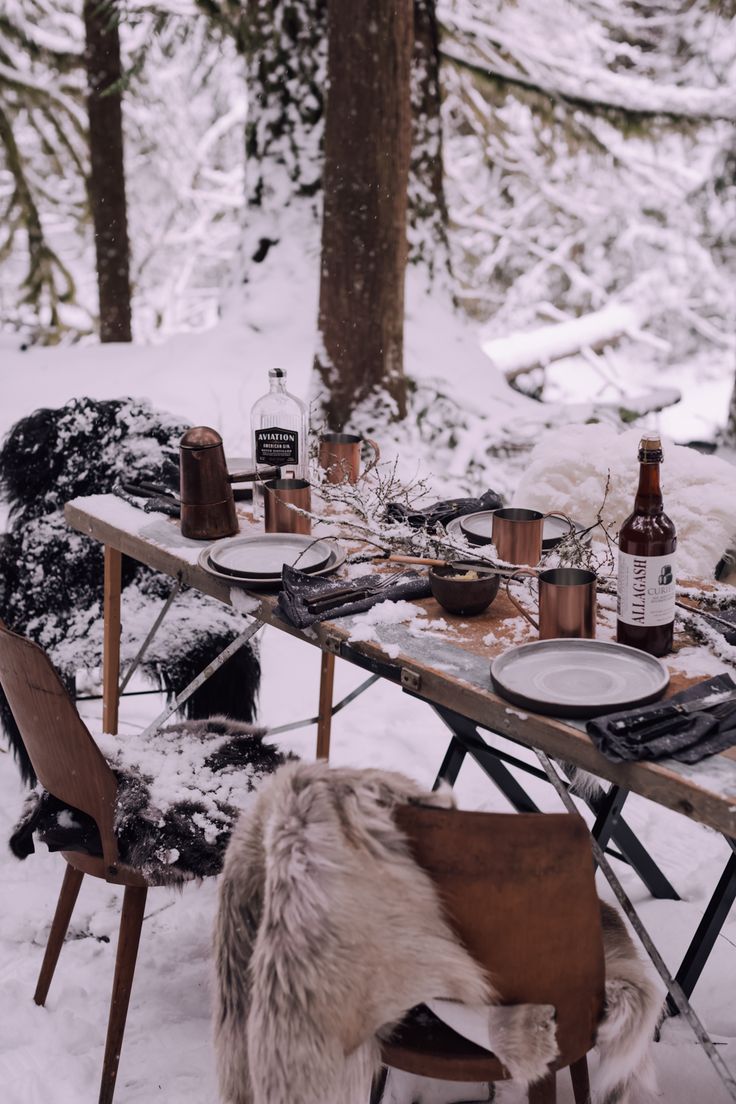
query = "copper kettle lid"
x=200 y=437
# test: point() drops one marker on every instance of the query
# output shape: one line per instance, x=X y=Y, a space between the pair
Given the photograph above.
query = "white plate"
x=336 y=560
x=264 y=556
x=552 y=533
x=578 y=678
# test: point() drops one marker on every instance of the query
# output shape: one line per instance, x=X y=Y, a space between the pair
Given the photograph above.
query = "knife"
x=669 y=712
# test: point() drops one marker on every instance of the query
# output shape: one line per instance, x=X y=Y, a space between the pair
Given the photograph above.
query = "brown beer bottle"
x=646 y=562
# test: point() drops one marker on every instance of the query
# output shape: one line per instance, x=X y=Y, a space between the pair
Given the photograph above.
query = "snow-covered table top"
x=444 y=658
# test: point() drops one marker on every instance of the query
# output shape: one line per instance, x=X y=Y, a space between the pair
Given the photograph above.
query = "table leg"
x=708 y=931
x=111 y=639
x=451 y=764
x=324 y=723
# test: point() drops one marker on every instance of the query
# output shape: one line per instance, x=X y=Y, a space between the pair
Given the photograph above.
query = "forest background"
x=572 y=162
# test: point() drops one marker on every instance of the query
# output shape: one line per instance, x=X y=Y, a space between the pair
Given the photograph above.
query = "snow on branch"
x=520 y=352
x=492 y=54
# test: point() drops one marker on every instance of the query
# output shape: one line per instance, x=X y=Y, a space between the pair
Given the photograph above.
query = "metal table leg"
x=451 y=764
x=707 y=932
x=609 y=825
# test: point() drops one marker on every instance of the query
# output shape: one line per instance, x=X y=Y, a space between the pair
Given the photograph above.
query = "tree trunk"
x=428 y=219
x=107 y=176
x=367 y=147
x=730 y=431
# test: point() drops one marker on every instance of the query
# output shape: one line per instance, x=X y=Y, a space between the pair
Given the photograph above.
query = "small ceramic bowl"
x=460 y=595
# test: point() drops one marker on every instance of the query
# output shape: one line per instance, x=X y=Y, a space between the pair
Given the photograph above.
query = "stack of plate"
x=256 y=562
x=476 y=528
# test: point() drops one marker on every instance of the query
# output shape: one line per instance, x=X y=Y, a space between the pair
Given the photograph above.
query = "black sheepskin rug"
x=51 y=577
x=180 y=791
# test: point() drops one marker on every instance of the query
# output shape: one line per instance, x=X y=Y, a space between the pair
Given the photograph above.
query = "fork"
x=335 y=597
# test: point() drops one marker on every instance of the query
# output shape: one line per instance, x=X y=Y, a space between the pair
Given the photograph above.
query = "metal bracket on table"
x=333 y=645
x=410 y=680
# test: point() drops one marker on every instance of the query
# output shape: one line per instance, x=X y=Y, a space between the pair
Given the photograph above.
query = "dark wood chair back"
x=66 y=759
x=519 y=890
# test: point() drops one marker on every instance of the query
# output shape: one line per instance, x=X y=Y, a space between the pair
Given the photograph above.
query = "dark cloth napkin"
x=688 y=738
x=439 y=513
x=340 y=597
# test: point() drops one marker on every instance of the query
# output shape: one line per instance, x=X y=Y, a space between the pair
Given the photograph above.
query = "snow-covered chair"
x=156 y=813
x=51 y=577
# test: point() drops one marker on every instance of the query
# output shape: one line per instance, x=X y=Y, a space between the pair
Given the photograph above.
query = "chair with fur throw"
x=331 y=931
x=51 y=577
x=156 y=813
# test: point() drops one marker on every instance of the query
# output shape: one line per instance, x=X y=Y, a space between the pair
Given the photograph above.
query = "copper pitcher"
x=207 y=502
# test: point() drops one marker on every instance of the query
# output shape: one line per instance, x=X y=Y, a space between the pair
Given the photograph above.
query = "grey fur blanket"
x=180 y=791
x=328 y=933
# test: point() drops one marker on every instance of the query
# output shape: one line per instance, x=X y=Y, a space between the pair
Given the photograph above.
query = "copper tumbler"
x=339 y=456
x=518 y=534
x=567 y=603
x=279 y=496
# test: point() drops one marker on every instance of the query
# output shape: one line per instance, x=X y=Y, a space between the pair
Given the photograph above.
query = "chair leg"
x=580 y=1081
x=60 y=923
x=544 y=1091
x=134 y=903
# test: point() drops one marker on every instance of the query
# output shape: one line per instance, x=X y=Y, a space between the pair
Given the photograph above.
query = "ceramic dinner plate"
x=477 y=529
x=264 y=556
x=336 y=559
x=578 y=678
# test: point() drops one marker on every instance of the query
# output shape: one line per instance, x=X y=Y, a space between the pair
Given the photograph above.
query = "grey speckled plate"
x=264 y=556
x=578 y=678
x=336 y=559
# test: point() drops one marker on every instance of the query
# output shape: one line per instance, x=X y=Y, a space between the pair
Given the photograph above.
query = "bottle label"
x=646 y=589
x=277 y=447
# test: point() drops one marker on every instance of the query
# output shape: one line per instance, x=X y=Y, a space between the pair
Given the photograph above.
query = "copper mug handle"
x=376 y=456
x=514 y=601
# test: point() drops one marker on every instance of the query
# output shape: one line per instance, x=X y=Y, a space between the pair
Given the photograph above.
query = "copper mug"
x=279 y=496
x=518 y=534
x=339 y=456
x=567 y=602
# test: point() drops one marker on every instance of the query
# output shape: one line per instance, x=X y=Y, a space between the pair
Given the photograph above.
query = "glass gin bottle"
x=646 y=562
x=278 y=426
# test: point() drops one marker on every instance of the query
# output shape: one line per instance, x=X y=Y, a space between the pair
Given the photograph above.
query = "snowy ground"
x=54 y=1055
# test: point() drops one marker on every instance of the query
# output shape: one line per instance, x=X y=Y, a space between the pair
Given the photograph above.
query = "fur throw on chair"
x=51 y=577
x=180 y=792
x=328 y=934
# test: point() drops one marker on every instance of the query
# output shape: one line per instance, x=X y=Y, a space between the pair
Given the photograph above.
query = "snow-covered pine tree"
x=584 y=150
x=289 y=159
x=43 y=158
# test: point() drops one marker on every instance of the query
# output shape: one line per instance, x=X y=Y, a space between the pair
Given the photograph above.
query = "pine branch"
x=710 y=105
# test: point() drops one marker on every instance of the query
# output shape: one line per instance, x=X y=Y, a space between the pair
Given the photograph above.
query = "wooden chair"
x=519 y=890
x=69 y=765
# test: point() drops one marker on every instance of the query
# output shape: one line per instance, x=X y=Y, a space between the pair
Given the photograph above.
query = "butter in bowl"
x=462 y=590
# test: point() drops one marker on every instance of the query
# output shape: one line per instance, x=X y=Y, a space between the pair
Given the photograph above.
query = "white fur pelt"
x=328 y=933
x=625 y=1034
x=568 y=470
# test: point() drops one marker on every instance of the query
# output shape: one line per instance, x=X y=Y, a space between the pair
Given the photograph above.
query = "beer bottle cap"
x=650 y=448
